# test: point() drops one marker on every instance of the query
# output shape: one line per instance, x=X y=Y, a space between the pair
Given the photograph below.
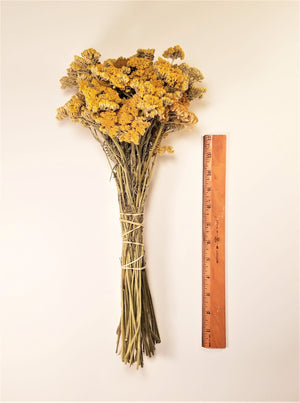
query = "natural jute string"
x=138 y=225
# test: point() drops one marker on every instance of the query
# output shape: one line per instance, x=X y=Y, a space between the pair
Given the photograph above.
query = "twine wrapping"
x=128 y=241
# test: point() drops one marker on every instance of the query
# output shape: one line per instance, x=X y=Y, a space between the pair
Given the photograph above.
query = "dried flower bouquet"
x=130 y=105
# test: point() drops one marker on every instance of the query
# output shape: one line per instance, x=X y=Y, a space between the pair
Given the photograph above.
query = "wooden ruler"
x=213 y=242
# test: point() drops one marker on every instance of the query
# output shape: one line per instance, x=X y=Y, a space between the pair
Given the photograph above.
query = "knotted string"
x=138 y=225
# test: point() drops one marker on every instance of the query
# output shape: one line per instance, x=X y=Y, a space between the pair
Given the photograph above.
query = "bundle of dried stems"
x=130 y=105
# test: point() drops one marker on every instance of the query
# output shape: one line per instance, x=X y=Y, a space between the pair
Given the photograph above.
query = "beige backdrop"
x=61 y=273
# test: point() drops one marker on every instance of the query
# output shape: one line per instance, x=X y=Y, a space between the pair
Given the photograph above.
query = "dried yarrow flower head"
x=174 y=53
x=130 y=104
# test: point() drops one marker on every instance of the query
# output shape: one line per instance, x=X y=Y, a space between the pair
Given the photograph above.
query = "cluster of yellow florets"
x=174 y=53
x=168 y=149
x=121 y=97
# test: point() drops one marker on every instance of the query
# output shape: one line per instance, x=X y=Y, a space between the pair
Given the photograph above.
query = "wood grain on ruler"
x=213 y=242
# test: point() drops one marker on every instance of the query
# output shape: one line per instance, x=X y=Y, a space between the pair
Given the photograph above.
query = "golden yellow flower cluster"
x=125 y=122
x=121 y=97
x=168 y=149
x=174 y=53
x=98 y=96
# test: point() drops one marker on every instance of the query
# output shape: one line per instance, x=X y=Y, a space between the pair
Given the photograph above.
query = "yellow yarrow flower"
x=174 y=53
x=99 y=97
x=168 y=149
x=112 y=74
x=172 y=76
